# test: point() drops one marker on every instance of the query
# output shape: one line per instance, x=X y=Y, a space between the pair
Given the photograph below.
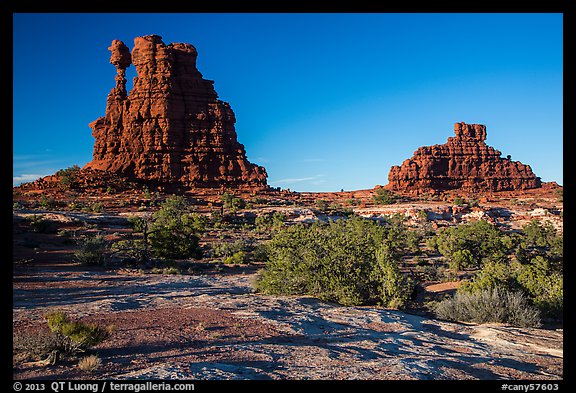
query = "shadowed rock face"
x=465 y=162
x=171 y=129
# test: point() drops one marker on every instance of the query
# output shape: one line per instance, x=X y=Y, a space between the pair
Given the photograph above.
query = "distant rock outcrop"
x=464 y=162
x=171 y=129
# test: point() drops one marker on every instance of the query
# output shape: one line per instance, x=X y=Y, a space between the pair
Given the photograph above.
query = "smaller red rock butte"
x=170 y=130
x=465 y=162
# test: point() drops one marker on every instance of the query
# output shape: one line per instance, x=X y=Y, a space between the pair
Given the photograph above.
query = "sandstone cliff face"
x=464 y=162
x=171 y=129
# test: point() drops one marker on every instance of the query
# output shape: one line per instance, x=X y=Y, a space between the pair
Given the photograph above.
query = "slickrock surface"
x=215 y=327
x=464 y=162
x=171 y=129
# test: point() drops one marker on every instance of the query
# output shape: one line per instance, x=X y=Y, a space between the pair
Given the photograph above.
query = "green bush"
x=559 y=194
x=422 y=215
x=353 y=201
x=48 y=202
x=539 y=234
x=227 y=249
x=236 y=258
x=545 y=286
x=461 y=259
x=68 y=176
x=537 y=280
x=95 y=207
x=81 y=335
x=384 y=197
x=541 y=239
x=321 y=205
x=459 y=201
x=231 y=202
x=173 y=231
x=40 y=224
x=269 y=222
x=482 y=240
x=489 y=305
x=347 y=261
x=92 y=250
x=413 y=240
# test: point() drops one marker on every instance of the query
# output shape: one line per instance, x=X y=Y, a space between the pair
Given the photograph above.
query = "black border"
x=566 y=7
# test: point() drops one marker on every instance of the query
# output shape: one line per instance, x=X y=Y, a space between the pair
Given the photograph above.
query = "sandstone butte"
x=465 y=162
x=170 y=130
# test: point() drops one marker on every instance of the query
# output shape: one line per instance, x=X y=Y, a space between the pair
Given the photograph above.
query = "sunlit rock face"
x=464 y=162
x=171 y=128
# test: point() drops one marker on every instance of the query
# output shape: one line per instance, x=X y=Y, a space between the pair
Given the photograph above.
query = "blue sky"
x=323 y=101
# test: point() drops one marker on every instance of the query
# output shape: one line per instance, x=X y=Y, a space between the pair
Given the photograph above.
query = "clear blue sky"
x=323 y=101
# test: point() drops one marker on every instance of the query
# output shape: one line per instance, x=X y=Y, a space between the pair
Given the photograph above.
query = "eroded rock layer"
x=171 y=129
x=465 y=162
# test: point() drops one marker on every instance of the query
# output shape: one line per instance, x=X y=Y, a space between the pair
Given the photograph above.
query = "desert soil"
x=213 y=326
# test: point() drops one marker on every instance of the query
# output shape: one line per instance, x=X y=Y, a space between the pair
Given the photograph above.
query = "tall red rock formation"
x=171 y=129
x=464 y=162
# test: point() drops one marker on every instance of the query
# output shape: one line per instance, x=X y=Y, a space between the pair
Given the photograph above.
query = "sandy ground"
x=216 y=327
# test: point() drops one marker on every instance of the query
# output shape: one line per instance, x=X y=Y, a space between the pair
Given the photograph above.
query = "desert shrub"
x=353 y=201
x=269 y=222
x=559 y=194
x=231 y=202
x=482 y=240
x=335 y=206
x=399 y=240
x=542 y=286
x=35 y=346
x=48 y=202
x=346 y=261
x=541 y=240
x=80 y=336
x=40 y=224
x=76 y=205
x=395 y=289
x=89 y=363
x=461 y=259
x=494 y=274
x=384 y=197
x=422 y=215
x=134 y=249
x=169 y=270
x=539 y=234
x=257 y=200
x=413 y=240
x=236 y=258
x=260 y=253
x=94 y=207
x=217 y=220
x=227 y=249
x=92 y=250
x=173 y=232
x=459 y=201
x=432 y=243
x=489 y=305
x=321 y=205
x=68 y=176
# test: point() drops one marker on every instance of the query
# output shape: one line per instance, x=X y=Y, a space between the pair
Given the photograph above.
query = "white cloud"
x=298 y=180
x=25 y=178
